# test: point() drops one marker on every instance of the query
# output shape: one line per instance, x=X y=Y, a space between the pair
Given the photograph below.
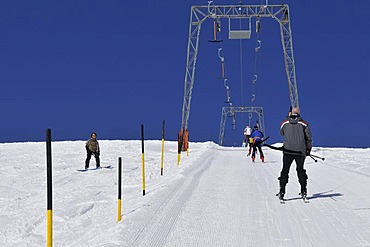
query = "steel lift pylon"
x=199 y=14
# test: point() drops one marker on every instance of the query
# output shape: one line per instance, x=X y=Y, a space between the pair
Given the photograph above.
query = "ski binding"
x=304 y=198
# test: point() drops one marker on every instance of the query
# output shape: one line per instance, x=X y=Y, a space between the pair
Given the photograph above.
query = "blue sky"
x=110 y=66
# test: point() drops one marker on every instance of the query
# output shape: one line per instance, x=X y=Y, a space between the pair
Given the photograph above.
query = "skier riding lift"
x=257 y=141
x=247 y=134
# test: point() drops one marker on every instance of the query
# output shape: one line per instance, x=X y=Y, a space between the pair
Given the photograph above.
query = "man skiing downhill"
x=298 y=138
x=92 y=148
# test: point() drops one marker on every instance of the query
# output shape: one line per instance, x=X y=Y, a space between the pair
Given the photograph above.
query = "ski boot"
x=253 y=159
x=303 y=195
x=281 y=194
x=263 y=159
x=281 y=197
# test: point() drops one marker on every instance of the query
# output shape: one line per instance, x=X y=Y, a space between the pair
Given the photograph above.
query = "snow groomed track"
x=216 y=197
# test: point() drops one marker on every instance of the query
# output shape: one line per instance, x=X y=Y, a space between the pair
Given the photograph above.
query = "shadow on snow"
x=318 y=196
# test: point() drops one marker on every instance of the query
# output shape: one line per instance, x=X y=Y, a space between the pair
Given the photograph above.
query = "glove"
x=308 y=152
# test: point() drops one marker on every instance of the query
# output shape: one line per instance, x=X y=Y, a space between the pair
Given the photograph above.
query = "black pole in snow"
x=119 y=188
x=142 y=158
x=49 y=215
x=162 y=155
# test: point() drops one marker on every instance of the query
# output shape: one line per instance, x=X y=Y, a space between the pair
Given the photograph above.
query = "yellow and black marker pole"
x=119 y=187
x=180 y=144
x=162 y=158
x=49 y=214
x=179 y=147
x=142 y=158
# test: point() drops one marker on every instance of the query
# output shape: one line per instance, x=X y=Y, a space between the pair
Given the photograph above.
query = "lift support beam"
x=227 y=111
x=199 y=14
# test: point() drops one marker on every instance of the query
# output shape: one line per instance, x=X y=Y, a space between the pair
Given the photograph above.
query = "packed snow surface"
x=216 y=196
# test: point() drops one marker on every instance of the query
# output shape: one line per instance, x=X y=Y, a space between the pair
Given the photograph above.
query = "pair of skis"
x=303 y=197
x=96 y=168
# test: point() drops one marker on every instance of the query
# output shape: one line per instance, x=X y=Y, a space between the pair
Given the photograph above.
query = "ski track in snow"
x=168 y=211
x=215 y=197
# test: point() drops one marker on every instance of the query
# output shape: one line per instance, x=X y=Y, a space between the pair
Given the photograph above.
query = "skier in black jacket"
x=297 y=138
x=92 y=148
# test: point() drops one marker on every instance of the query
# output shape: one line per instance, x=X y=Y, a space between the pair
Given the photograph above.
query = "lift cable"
x=241 y=67
x=256 y=60
x=220 y=53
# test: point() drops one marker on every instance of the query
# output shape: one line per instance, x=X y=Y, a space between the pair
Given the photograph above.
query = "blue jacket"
x=257 y=135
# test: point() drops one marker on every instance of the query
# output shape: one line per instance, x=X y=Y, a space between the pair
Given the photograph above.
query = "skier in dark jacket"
x=257 y=141
x=92 y=148
x=297 y=139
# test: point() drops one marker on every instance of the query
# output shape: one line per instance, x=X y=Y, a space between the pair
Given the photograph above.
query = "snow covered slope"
x=216 y=197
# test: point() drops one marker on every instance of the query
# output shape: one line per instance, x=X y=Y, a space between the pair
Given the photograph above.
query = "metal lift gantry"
x=199 y=14
x=226 y=111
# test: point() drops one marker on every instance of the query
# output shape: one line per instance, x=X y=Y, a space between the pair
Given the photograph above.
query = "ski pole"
x=313 y=158
x=321 y=158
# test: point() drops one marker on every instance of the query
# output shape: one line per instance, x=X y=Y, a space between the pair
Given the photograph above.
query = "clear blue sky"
x=110 y=66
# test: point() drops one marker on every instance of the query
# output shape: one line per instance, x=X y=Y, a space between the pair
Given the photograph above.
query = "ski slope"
x=215 y=197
